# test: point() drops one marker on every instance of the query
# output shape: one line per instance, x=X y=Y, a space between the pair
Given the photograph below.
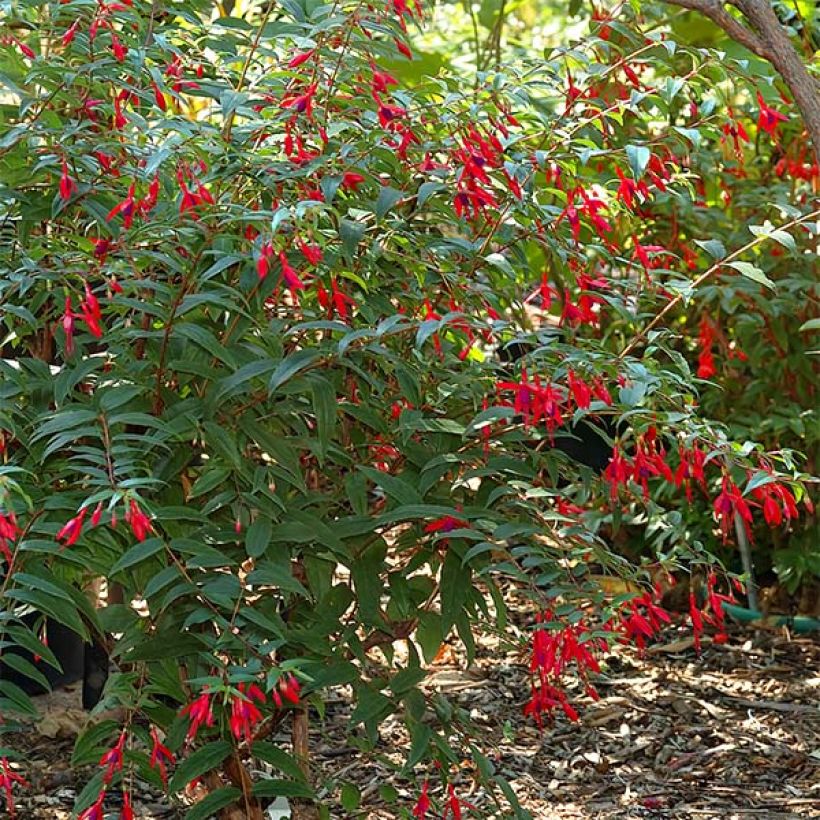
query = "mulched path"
x=732 y=733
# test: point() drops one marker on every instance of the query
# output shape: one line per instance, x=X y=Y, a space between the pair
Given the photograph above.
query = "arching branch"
x=762 y=33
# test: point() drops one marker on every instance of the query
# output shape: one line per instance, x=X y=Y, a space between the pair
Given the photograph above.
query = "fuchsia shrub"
x=251 y=289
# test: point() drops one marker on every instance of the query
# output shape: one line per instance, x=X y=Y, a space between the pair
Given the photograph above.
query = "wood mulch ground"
x=732 y=733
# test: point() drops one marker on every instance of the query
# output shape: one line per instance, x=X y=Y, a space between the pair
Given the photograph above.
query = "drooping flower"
x=200 y=713
x=706 y=361
x=90 y=308
x=728 y=504
x=125 y=207
x=768 y=117
x=67 y=184
x=68 y=326
x=112 y=760
x=423 y=804
x=161 y=756
x=139 y=522
x=71 y=530
x=8 y=779
x=300 y=59
x=289 y=275
x=244 y=712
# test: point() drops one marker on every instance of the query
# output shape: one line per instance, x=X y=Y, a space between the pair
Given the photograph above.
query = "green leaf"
x=258 y=536
x=199 y=762
x=278 y=758
x=350 y=797
x=714 y=247
x=782 y=237
x=282 y=788
x=326 y=409
x=291 y=365
x=388 y=198
x=395 y=487
x=139 y=552
x=638 y=157
x=812 y=324
x=210 y=805
x=752 y=272
x=455 y=587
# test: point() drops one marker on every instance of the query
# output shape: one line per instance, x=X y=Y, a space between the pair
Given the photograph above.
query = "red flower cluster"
x=730 y=502
x=112 y=760
x=554 y=647
x=245 y=713
x=8 y=779
x=649 y=461
x=201 y=713
x=713 y=614
x=161 y=757
x=706 y=338
x=777 y=501
x=547 y=402
x=641 y=618
x=8 y=533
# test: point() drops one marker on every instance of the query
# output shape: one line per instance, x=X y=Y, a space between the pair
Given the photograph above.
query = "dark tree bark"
x=761 y=32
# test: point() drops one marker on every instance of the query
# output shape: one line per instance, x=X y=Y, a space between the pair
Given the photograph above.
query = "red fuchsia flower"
x=600 y=391
x=423 y=804
x=706 y=362
x=629 y=190
x=388 y=114
x=454 y=806
x=400 y=45
x=336 y=303
x=572 y=93
x=161 y=757
x=67 y=184
x=8 y=533
x=8 y=779
x=546 y=699
x=289 y=275
x=118 y=48
x=301 y=103
x=735 y=131
x=445 y=524
x=311 y=252
x=697 y=620
x=127 y=812
x=617 y=472
x=768 y=118
x=200 y=712
x=715 y=601
x=300 y=59
x=95 y=812
x=71 y=529
x=97 y=514
x=381 y=80
x=641 y=619
x=730 y=502
x=159 y=97
x=126 y=208
x=68 y=326
x=112 y=760
x=287 y=689
x=554 y=647
x=90 y=308
x=690 y=468
x=351 y=181
x=139 y=522
x=773 y=512
x=581 y=394
x=263 y=261
x=244 y=712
